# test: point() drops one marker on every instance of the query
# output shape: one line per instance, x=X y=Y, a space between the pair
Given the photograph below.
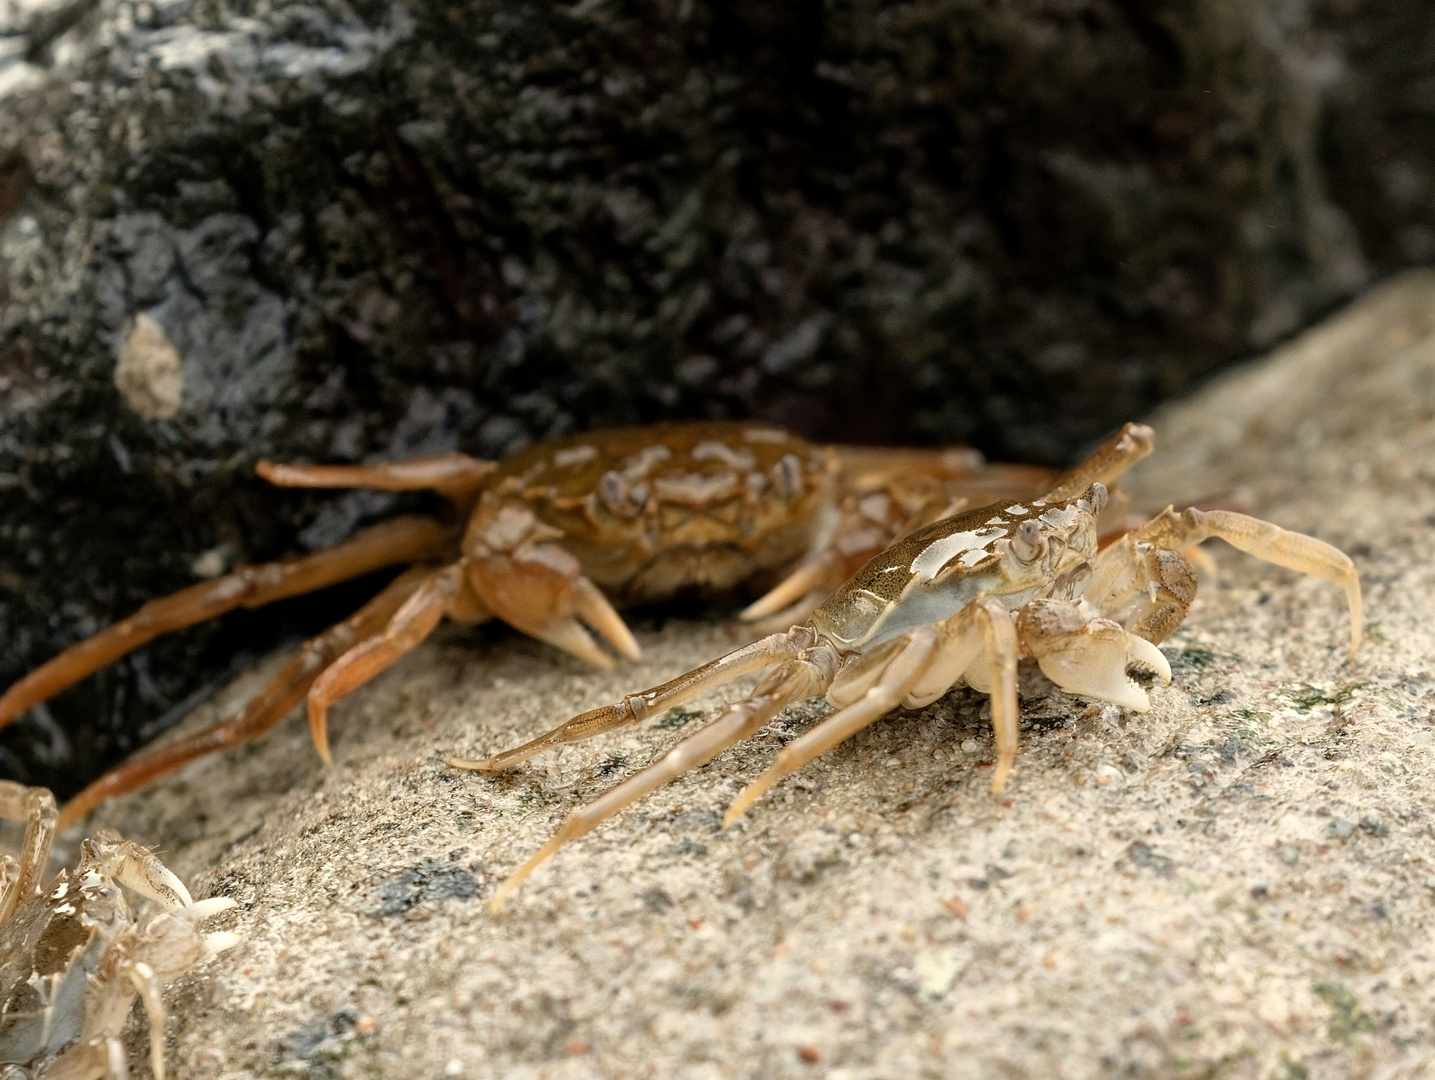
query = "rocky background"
x=333 y=230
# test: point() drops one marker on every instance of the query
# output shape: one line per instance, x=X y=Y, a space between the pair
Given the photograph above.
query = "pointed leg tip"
x=623 y=643
x=483 y=765
x=319 y=730
x=740 y=806
x=1000 y=776
x=508 y=887
x=587 y=650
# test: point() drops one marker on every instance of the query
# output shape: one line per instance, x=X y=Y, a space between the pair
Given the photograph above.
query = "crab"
x=960 y=600
x=73 y=959
x=549 y=540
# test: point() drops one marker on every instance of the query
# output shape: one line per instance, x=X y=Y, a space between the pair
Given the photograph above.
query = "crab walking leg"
x=412 y=538
x=899 y=677
x=638 y=707
x=1112 y=458
x=142 y=977
x=979 y=643
x=97 y=1059
x=442 y=593
x=457 y=476
x=997 y=678
x=1293 y=550
x=35 y=806
x=795 y=680
x=812 y=576
x=261 y=712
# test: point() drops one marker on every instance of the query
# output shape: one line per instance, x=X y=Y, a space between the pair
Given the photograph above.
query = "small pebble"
x=956 y=907
x=809 y=1054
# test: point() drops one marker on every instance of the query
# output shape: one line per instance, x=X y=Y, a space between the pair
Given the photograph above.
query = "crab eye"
x=1029 y=543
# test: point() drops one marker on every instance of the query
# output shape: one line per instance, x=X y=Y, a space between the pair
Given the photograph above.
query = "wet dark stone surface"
x=374 y=229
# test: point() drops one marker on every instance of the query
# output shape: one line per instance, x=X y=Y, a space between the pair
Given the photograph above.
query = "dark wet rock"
x=333 y=230
x=429 y=882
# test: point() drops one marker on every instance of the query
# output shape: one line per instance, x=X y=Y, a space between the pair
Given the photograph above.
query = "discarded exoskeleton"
x=73 y=959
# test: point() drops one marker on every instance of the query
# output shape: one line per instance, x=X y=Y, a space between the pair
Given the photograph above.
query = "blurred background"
x=374 y=230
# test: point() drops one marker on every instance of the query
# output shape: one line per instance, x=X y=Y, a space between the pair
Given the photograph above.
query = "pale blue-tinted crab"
x=960 y=600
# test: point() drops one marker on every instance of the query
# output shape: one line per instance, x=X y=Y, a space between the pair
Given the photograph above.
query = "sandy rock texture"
x=1240 y=883
x=340 y=229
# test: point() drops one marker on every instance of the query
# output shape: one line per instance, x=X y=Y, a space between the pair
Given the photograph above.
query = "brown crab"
x=957 y=601
x=73 y=959
x=549 y=540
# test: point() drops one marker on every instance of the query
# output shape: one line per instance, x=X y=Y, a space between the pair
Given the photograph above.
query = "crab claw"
x=216 y=941
x=541 y=590
x=1089 y=655
x=137 y=868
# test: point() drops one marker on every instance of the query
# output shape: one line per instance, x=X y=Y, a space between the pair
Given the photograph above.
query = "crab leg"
x=36 y=807
x=1293 y=550
x=795 y=680
x=457 y=476
x=637 y=707
x=1112 y=458
x=443 y=592
x=261 y=712
x=815 y=577
x=98 y=1058
x=412 y=538
x=899 y=677
x=141 y=976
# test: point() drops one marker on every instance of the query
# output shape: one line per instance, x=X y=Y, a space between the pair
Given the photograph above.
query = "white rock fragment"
x=148 y=374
